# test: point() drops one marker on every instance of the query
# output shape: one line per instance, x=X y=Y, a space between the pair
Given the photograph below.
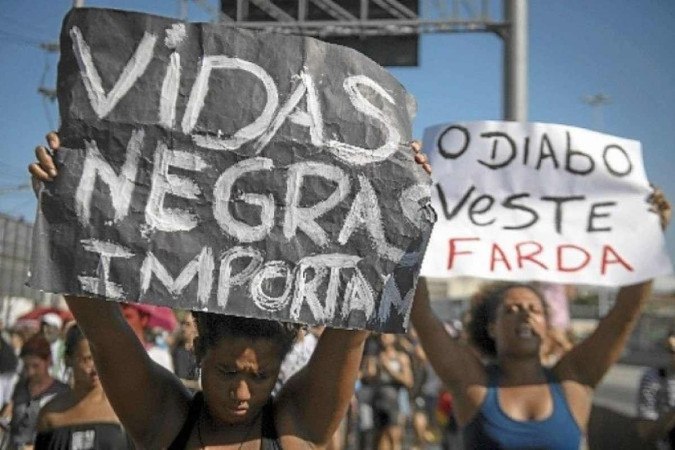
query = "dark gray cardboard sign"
x=210 y=168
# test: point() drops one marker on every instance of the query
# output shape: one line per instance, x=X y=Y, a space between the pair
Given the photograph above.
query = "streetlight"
x=597 y=101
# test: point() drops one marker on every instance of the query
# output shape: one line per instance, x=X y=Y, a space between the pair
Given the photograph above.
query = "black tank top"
x=269 y=439
x=86 y=436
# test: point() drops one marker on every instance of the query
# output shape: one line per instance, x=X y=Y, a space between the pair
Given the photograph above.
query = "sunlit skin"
x=520 y=325
x=237 y=378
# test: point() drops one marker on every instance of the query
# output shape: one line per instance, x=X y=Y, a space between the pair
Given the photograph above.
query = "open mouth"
x=525 y=332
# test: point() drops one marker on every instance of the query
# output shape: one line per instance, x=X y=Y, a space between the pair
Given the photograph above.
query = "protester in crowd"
x=9 y=364
x=421 y=372
x=516 y=402
x=298 y=357
x=33 y=391
x=365 y=394
x=9 y=367
x=51 y=326
x=19 y=334
x=240 y=360
x=137 y=316
x=394 y=374
x=451 y=438
x=656 y=401
x=183 y=354
x=81 y=418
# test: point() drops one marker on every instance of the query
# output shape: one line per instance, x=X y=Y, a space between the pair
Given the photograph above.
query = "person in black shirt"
x=33 y=391
x=81 y=418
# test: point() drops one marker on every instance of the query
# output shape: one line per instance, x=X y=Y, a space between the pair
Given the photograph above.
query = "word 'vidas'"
x=268 y=121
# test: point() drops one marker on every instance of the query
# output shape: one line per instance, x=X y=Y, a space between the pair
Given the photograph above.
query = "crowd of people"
x=398 y=400
x=52 y=396
x=501 y=379
x=55 y=398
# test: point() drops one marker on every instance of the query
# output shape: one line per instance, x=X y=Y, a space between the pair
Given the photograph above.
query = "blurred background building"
x=15 y=249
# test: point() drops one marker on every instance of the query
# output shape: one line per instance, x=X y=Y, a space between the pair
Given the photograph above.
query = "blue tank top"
x=491 y=428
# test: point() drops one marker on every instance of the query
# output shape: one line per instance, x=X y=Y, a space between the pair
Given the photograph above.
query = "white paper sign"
x=541 y=202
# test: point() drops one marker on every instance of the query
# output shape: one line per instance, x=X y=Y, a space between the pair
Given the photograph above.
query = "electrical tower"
x=387 y=30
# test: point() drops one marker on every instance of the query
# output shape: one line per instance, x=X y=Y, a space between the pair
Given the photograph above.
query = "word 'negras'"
x=298 y=288
x=364 y=212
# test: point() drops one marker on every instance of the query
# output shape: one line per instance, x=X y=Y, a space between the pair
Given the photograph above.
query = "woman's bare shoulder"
x=60 y=403
x=54 y=410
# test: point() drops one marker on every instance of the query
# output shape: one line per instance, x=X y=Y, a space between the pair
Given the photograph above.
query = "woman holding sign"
x=240 y=360
x=516 y=402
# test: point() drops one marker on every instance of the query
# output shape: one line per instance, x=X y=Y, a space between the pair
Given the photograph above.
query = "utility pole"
x=183 y=10
x=515 y=60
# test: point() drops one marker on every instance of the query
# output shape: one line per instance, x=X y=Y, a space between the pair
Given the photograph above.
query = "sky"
x=620 y=48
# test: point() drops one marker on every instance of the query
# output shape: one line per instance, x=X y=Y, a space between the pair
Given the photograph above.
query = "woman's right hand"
x=44 y=169
x=659 y=205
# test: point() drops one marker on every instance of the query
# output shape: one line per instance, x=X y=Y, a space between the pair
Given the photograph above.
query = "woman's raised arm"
x=454 y=362
x=314 y=401
x=147 y=398
x=588 y=362
x=140 y=391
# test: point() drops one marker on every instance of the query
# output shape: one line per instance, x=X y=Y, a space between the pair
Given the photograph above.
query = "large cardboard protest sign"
x=541 y=202
x=211 y=168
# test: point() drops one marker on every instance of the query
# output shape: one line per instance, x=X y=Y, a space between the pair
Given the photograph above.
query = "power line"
x=12 y=21
x=14 y=189
x=16 y=38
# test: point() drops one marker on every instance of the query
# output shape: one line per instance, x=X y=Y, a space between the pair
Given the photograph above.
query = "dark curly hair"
x=484 y=306
x=212 y=327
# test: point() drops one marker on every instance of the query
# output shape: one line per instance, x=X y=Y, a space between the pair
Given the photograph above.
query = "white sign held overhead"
x=542 y=202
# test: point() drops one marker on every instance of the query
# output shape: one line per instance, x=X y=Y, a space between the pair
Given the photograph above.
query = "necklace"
x=241 y=444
